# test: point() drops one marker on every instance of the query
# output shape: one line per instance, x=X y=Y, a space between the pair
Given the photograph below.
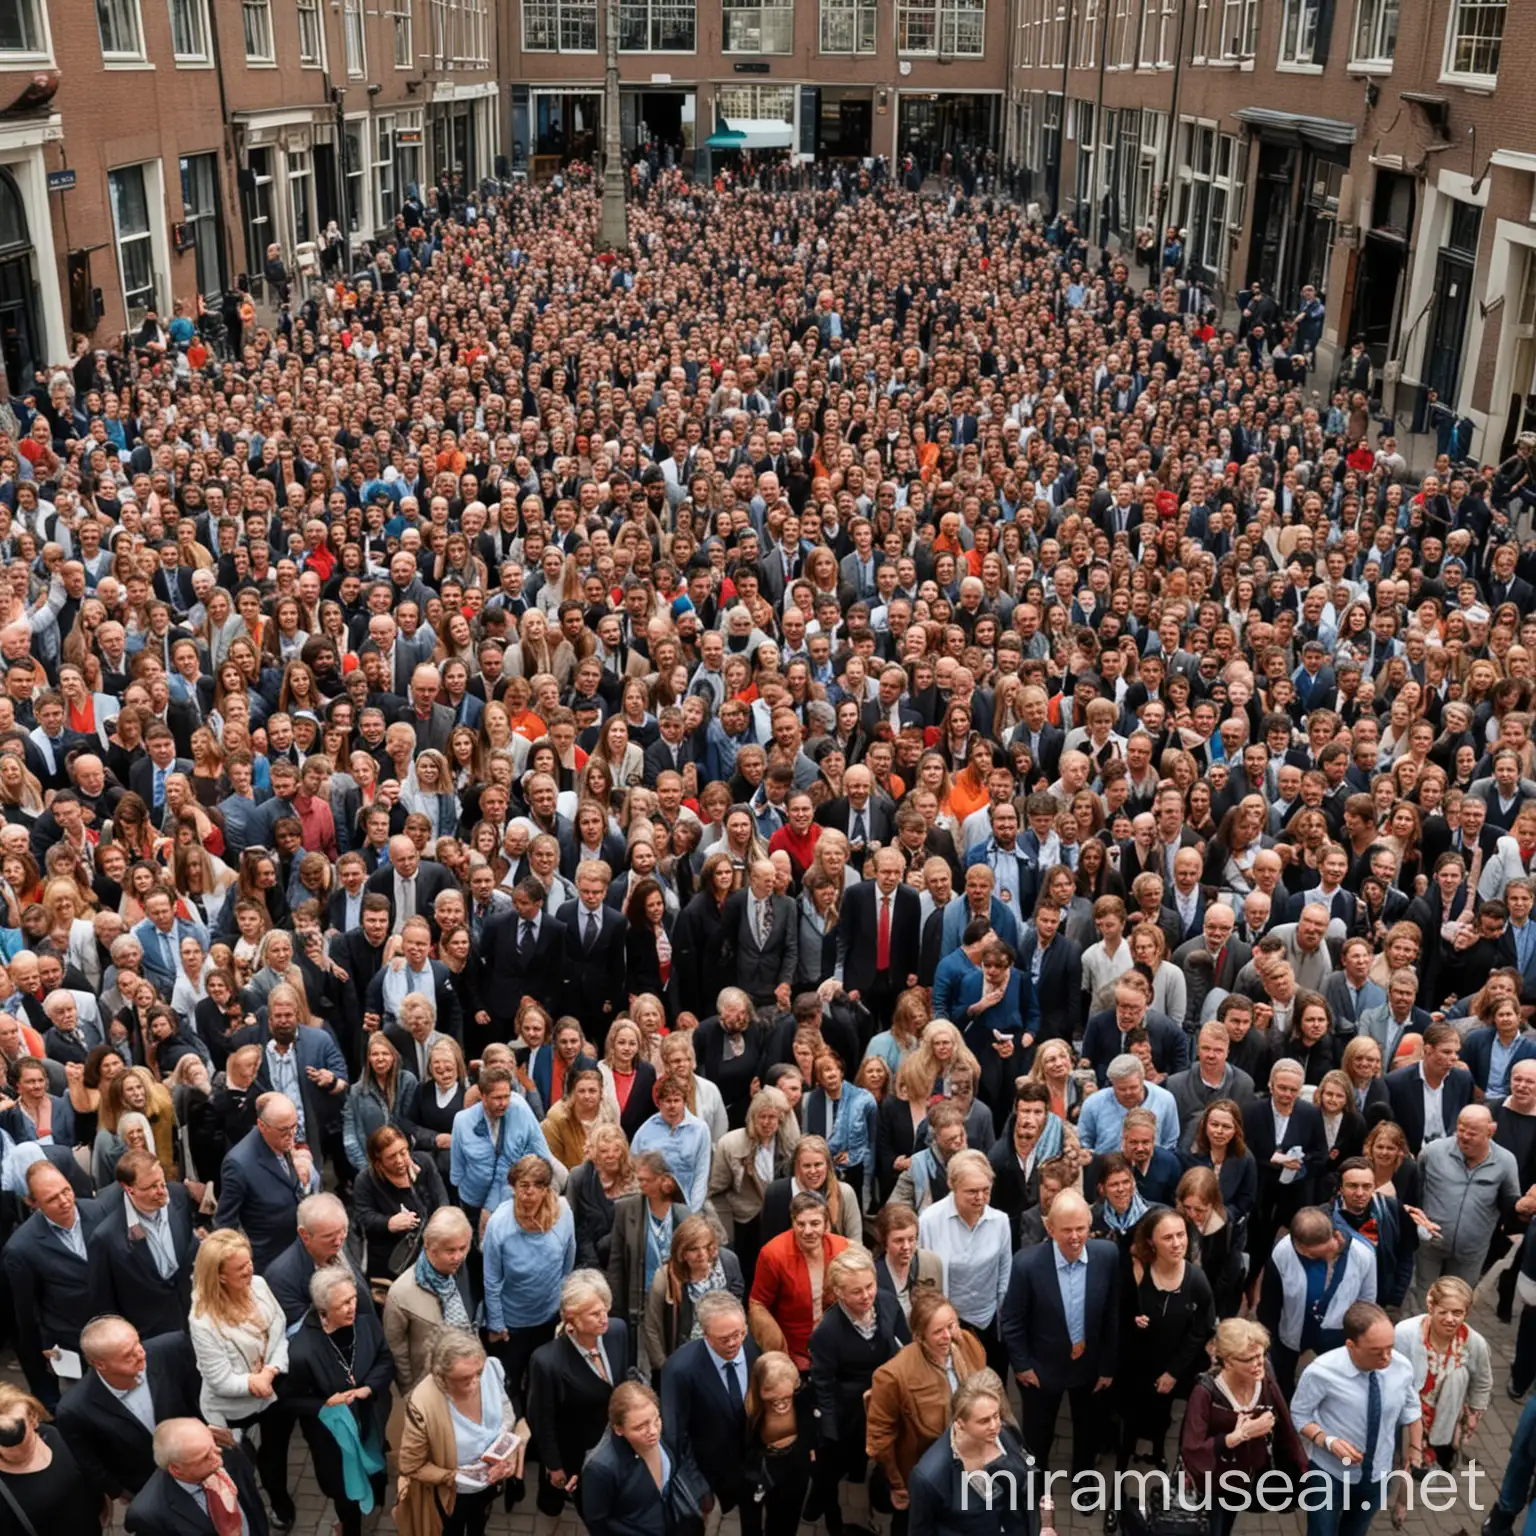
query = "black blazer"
x=642 y=970
x=1405 y=1089
x=595 y=983
x=141 y=779
x=838 y=814
x=1034 y=1322
x=733 y=1076
x=163 y=1508
x=844 y=1362
x=450 y=1015
x=375 y=1202
x=774 y=1218
x=509 y=977
x=1059 y=992
x=699 y=968
x=895 y=1137
x=123 y=1276
x=115 y=1451
x=619 y=1497
x=568 y=1400
x=641 y=1104
x=699 y=1419
x=1305 y=1131
x=50 y=1288
x=858 y=935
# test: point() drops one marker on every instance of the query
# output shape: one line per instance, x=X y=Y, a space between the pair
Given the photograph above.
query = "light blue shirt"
x=1072 y=1277
x=481 y=1155
x=1525 y=942
x=1332 y=1394
x=687 y=1149
x=157 y=1229
x=137 y=1400
x=524 y=1270
x=738 y=1365
x=287 y=1077
x=1098 y=1127
x=977 y=1260
x=1498 y=1064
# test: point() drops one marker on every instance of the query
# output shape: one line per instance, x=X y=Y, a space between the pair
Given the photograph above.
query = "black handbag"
x=1157 y=1515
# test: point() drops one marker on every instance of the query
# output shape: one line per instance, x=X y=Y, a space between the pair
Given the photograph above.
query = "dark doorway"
x=1377 y=293
x=327 y=185
x=1272 y=199
x=847 y=128
x=662 y=114
x=19 y=330
x=1448 y=324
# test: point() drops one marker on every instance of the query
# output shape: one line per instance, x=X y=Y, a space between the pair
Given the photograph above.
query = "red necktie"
x=883 y=936
x=223 y=1503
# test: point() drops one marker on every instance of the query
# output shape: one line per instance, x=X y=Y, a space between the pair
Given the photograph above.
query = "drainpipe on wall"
x=1165 y=160
x=1061 y=128
x=1098 y=224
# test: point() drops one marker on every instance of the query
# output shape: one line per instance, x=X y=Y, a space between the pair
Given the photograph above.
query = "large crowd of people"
x=671 y=881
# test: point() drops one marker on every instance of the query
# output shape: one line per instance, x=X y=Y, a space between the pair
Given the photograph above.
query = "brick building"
x=192 y=133
x=1381 y=151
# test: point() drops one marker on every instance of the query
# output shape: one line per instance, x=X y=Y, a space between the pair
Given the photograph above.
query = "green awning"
x=726 y=138
x=751 y=133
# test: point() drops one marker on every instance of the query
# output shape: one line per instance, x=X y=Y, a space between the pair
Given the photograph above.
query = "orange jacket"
x=782 y=1287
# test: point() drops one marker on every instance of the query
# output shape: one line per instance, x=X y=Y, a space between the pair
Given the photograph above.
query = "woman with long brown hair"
x=696 y=1265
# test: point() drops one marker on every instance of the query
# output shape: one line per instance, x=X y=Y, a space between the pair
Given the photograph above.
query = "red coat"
x=782 y=1287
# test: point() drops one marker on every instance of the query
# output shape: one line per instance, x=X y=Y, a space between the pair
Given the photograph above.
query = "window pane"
x=20 y=31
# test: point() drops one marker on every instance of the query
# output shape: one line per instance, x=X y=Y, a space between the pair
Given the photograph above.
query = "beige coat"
x=413 y=1318
x=735 y=1190
x=429 y=1462
x=908 y=1405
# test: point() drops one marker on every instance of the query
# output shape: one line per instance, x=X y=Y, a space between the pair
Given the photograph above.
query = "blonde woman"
x=582 y=1108
x=628 y=1077
x=240 y=1339
x=745 y=1163
x=605 y=1176
x=1452 y=1368
x=677 y=1061
x=134 y=1091
x=428 y=788
x=812 y=1171
x=696 y=1266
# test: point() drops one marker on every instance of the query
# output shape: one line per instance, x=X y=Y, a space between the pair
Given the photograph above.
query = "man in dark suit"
x=411 y=883
x=1228 y=955
x=671 y=752
x=1398 y=1016
x=1381 y=1221
x=595 y=940
x=127 y=1381
x=891 y=707
x=1044 y=740
x=322 y=1241
x=1060 y=1322
x=1104 y=1036
x=147 y=776
x=433 y=722
x=360 y=954
x=764 y=930
x=879 y=936
x=47 y=1265
x=1054 y=964
x=861 y=818
x=304 y=1063
x=703 y=1396
x=524 y=953
x=419 y=975
x=1428 y=1096
x=260 y=1185
x=1283 y=1123
x=140 y=1261
x=191 y=1470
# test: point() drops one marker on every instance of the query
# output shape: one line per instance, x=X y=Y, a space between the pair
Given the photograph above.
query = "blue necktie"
x=170 y=957
x=159 y=788
x=1372 y=1429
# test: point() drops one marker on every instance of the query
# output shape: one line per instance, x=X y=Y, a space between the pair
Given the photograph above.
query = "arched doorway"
x=19 y=332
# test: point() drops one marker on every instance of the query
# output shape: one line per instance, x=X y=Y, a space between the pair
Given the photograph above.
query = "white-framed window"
x=849 y=26
x=1374 y=41
x=1208 y=193
x=1199 y=31
x=1239 y=35
x=765 y=103
x=189 y=31
x=356 y=169
x=384 y=168
x=24 y=29
x=1167 y=31
x=120 y=29
x=1474 y=39
x=399 y=13
x=311 y=34
x=751 y=27
x=200 y=211
x=1298 y=32
x=135 y=238
x=560 y=26
x=460 y=31
x=1119 y=24
x=1146 y=41
x=1060 y=27
x=658 y=26
x=352 y=36
x=1087 y=34
x=948 y=28
x=301 y=195
x=1050 y=129
x=256 y=22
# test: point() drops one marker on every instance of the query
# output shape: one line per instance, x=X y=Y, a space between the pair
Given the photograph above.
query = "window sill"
x=1480 y=85
x=26 y=61
x=1284 y=68
x=1369 y=67
x=126 y=66
x=194 y=63
x=261 y=63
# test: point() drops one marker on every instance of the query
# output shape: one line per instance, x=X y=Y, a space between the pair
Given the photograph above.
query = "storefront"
x=662 y=117
x=844 y=120
x=735 y=136
x=932 y=124
x=553 y=125
x=461 y=131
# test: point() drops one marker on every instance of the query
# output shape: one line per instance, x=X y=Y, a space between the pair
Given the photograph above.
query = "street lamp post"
x=615 y=225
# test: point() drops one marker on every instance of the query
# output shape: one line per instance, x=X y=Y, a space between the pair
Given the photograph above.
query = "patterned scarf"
x=1440 y=1365
x=698 y=1289
x=446 y=1289
x=1133 y=1213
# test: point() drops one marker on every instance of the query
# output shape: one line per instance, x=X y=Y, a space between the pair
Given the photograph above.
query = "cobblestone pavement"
x=1489 y=1449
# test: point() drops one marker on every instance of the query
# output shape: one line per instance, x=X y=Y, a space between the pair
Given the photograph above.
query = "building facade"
x=1379 y=151
x=850 y=78
x=152 y=150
